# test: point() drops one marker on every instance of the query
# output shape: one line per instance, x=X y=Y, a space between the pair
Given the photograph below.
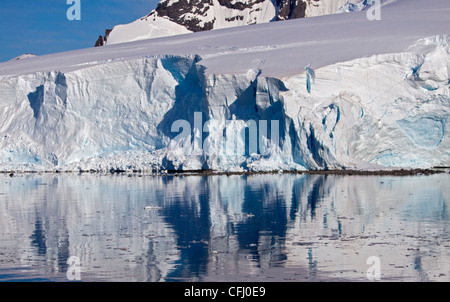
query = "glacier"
x=378 y=105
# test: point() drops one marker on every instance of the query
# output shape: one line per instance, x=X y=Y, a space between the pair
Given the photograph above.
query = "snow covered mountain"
x=344 y=92
x=173 y=17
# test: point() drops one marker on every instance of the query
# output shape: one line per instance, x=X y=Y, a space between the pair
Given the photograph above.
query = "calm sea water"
x=224 y=228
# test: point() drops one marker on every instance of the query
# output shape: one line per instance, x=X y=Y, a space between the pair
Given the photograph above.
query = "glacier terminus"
x=374 y=95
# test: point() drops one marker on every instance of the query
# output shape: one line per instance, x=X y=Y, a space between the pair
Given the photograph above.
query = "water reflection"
x=224 y=228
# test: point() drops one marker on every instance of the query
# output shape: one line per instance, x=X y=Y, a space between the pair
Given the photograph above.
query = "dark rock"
x=290 y=9
x=100 y=41
x=176 y=12
x=107 y=32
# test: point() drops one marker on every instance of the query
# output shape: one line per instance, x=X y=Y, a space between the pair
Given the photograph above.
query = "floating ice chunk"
x=149 y=208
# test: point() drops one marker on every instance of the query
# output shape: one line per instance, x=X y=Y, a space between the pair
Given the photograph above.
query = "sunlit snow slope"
x=376 y=95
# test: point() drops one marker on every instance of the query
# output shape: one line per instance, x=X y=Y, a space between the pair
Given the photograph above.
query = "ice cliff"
x=390 y=110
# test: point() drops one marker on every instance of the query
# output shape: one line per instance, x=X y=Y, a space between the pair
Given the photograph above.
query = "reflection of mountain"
x=206 y=228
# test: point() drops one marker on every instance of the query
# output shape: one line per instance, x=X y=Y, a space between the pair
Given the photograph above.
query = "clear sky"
x=41 y=26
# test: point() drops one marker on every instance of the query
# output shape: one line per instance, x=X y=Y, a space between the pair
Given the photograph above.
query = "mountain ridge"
x=173 y=17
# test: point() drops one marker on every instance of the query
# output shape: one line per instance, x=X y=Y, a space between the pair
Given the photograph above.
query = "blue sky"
x=41 y=26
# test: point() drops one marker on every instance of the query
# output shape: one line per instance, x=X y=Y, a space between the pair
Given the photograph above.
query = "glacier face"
x=380 y=110
x=389 y=110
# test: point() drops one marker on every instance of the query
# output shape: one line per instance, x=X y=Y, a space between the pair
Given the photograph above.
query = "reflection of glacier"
x=212 y=228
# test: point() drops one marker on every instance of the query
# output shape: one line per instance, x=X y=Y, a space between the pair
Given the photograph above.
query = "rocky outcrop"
x=177 y=11
x=102 y=40
x=99 y=42
x=290 y=9
x=202 y=15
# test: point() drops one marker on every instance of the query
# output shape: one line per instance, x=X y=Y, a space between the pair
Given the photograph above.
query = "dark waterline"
x=262 y=227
